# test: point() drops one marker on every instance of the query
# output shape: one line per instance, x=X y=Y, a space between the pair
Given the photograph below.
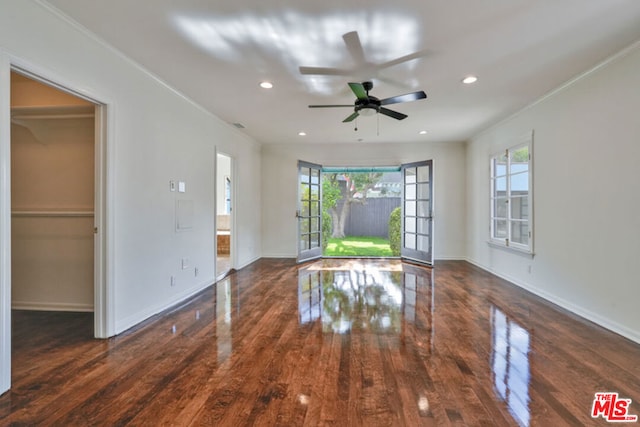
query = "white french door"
x=309 y=211
x=417 y=212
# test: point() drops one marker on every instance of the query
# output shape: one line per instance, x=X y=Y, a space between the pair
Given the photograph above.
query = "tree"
x=350 y=188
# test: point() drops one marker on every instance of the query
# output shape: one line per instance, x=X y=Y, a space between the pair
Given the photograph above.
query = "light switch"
x=172 y=186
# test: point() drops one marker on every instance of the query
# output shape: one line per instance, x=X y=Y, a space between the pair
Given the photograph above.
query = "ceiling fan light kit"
x=368 y=105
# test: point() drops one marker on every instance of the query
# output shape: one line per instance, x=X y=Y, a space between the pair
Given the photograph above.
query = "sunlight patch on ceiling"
x=298 y=39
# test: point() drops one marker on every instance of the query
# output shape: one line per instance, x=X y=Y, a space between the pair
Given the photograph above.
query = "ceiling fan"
x=369 y=104
x=363 y=68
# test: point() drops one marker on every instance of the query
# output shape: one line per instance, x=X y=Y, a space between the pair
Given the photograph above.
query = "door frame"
x=104 y=292
x=232 y=219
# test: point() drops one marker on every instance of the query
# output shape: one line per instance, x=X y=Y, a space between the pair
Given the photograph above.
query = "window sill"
x=513 y=249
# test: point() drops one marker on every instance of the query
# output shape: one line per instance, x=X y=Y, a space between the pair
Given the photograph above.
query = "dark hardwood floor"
x=334 y=342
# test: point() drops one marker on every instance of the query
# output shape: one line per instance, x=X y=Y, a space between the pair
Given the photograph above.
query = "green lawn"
x=358 y=246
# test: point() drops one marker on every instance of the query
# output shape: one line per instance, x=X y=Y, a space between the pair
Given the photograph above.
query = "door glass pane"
x=410 y=241
x=304 y=241
x=315 y=176
x=315 y=192
x=423 y=174
x=306 y=209
x=410 y=208
x=410 y=192
x=423 y=243
x=410 y=225
x=423 y=226
x=304 y=225
x=304 y=175
x=315 y=225
x=423 y=208
x=315 y=208
x=410 y=176
x=423 y=191
x=314 y=240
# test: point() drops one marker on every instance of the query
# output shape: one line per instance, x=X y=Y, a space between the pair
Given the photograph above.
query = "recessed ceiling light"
x=423 y=132
x=266 y=85
x=302 y=133
x=469 y=79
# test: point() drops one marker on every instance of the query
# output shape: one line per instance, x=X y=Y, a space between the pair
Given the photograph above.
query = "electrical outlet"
x=185 y=263
x=196 y=271
x=173 y=280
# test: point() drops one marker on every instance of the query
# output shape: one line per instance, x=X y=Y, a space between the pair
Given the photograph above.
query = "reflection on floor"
x=223 y=265
x=333 y=342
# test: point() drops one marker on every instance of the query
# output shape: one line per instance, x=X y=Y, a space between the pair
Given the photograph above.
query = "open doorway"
x=328 y=224
x=224 y=215
x=54 y=145
x=52 y=198
x=361 y=212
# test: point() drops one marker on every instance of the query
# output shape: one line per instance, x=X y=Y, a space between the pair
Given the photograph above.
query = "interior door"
x=309 y=211
x=417 y=212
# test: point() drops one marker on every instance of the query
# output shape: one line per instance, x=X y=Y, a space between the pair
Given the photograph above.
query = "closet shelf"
x=52 y=214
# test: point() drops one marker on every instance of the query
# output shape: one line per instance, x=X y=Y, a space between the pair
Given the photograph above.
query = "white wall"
x=279 y=187
x=154 y=136
x=586 y=196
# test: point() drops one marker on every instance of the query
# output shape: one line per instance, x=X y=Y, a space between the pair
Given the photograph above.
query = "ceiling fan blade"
x=351 y=117
x=324 y=71
x=352 y=40
x=359 y=90
x=414 y=96
x=392 y=113
x=405 y=58
x=330 y=106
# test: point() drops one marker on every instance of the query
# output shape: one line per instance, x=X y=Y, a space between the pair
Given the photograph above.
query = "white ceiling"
x=216 y=52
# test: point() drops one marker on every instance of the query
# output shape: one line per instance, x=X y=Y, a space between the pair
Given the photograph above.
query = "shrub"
x=327 y=228
x=394 y=231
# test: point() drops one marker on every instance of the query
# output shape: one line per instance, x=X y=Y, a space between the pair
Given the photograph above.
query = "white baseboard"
x=589 y=315
x=51 y=306
x=136 y=318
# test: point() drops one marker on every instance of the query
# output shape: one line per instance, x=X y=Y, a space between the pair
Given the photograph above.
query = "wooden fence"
x=371 y=218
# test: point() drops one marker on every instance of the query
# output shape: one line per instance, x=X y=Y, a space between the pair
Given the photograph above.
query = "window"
x=511 y=198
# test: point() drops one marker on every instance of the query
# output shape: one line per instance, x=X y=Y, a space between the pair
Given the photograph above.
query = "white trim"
x=633 y=335
x=5 y=223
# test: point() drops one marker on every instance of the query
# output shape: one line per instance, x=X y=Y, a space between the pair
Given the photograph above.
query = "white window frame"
x=507 y=242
